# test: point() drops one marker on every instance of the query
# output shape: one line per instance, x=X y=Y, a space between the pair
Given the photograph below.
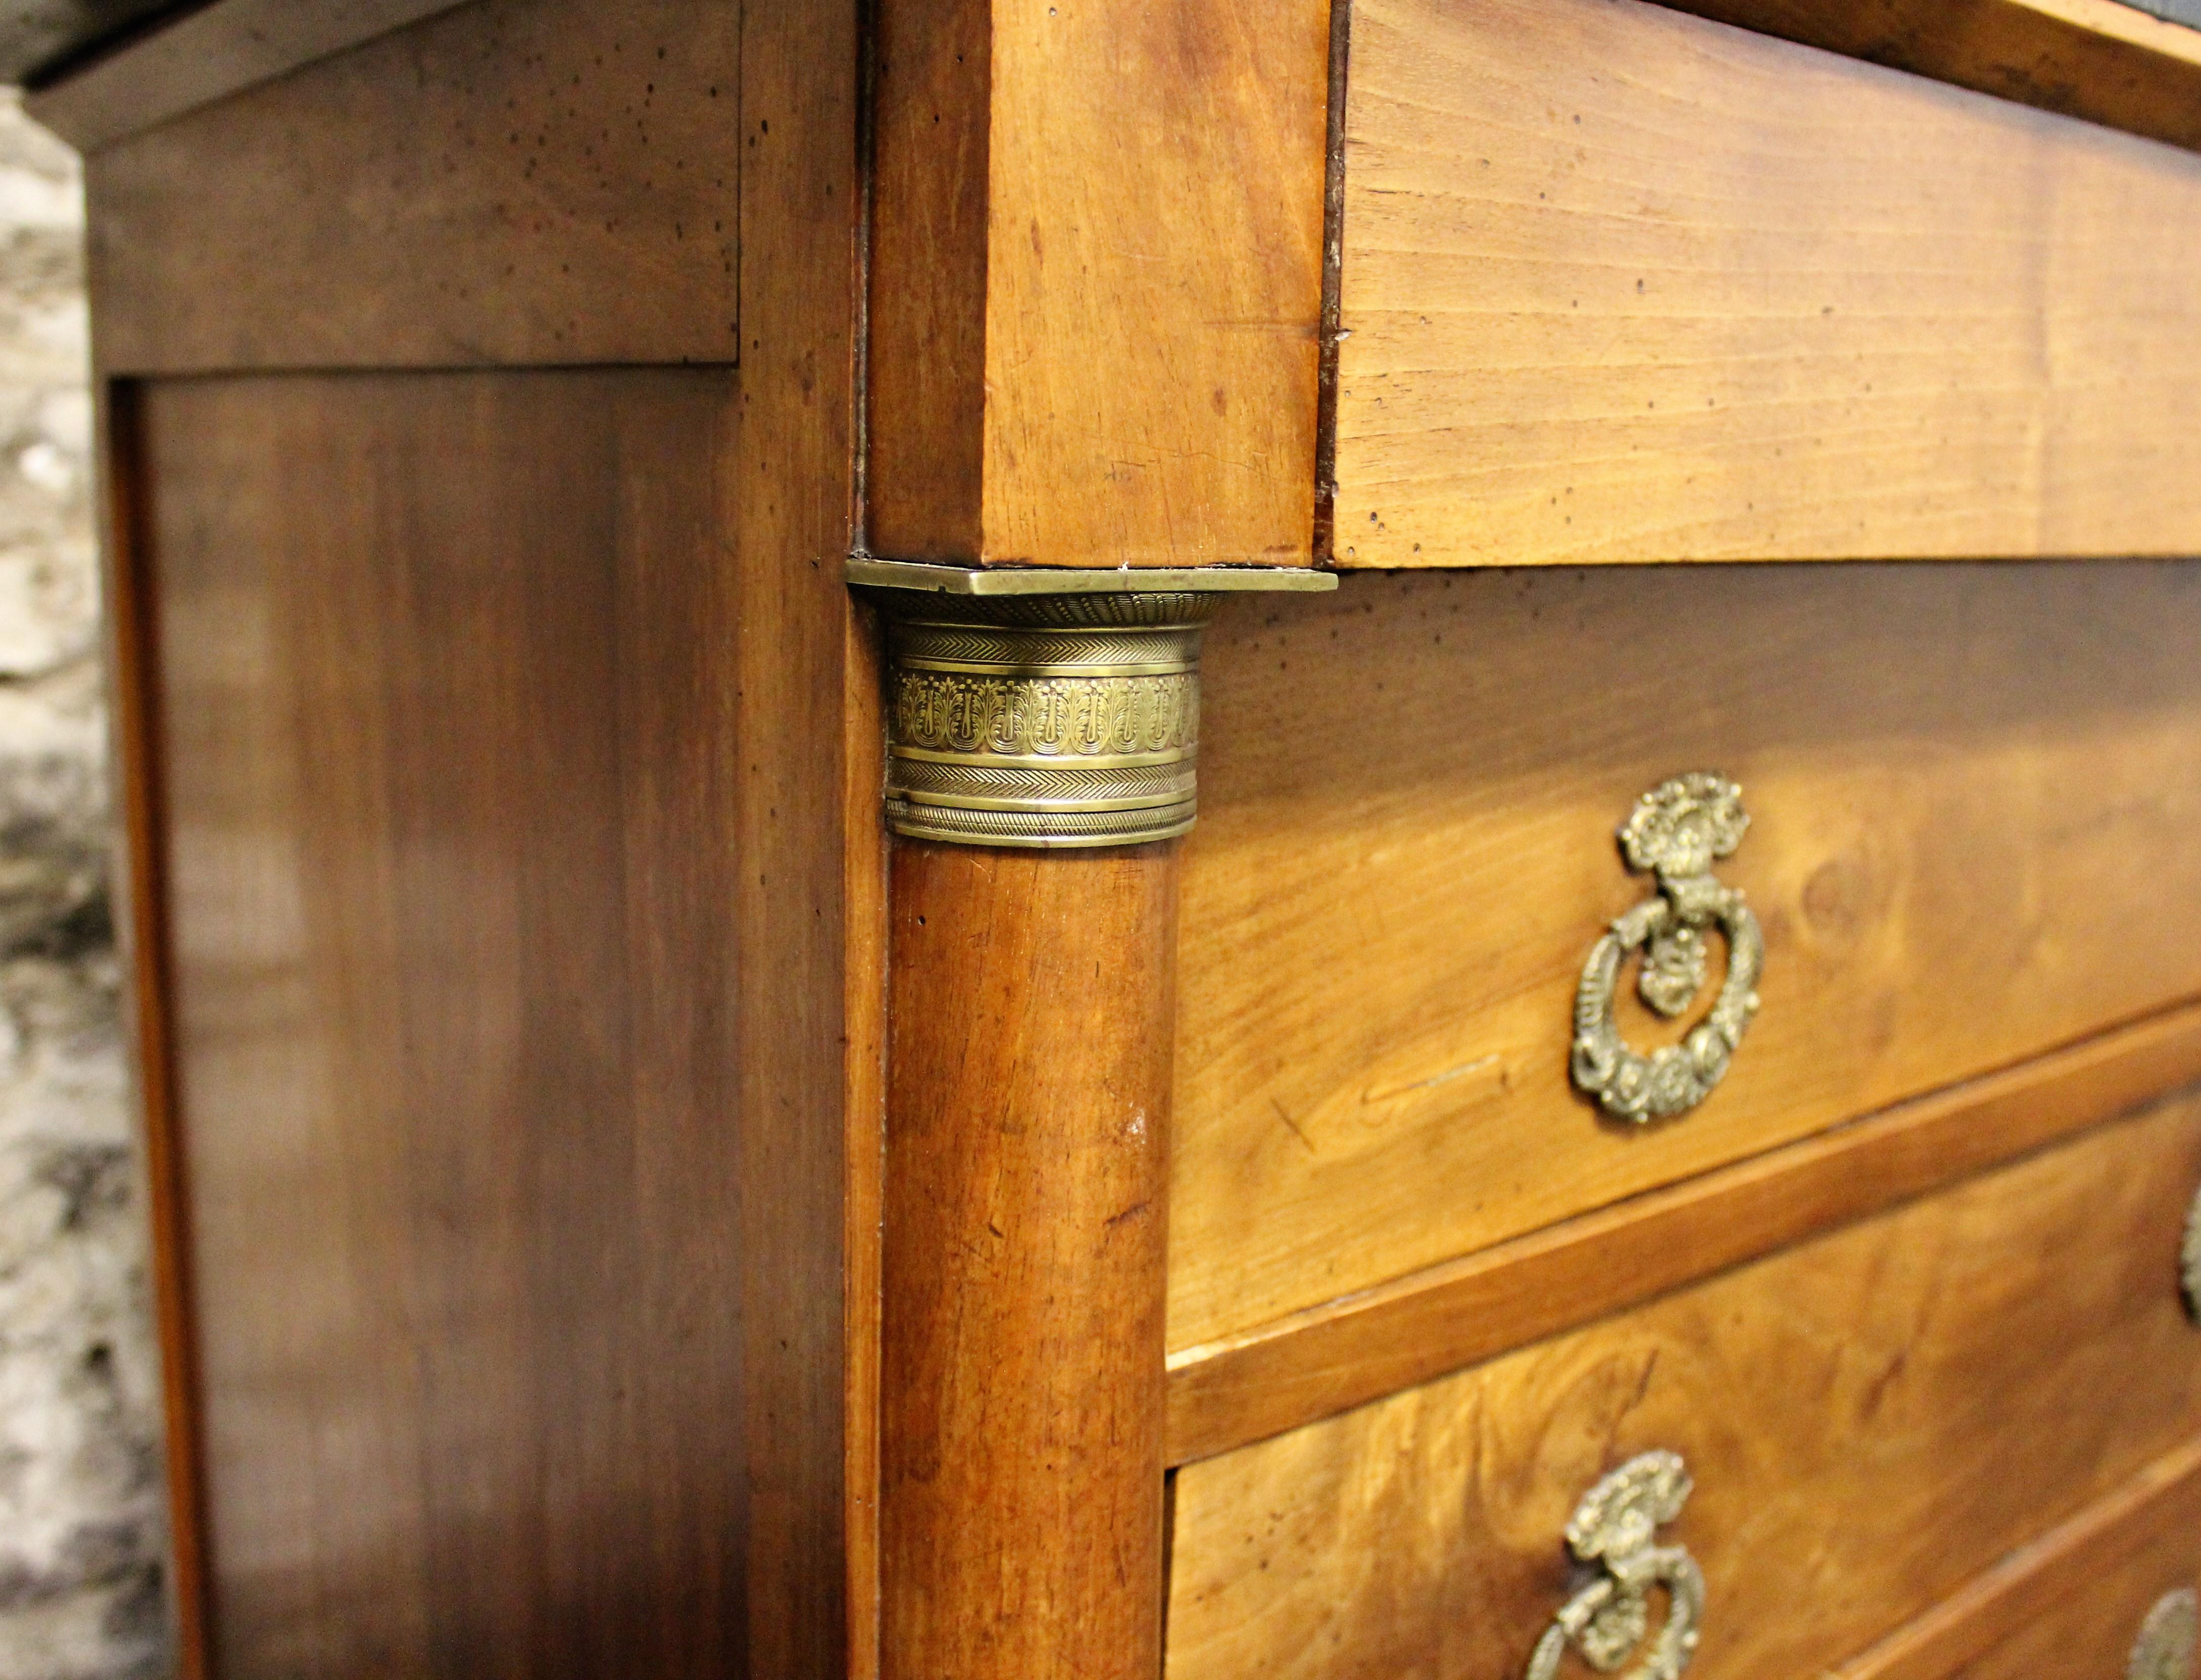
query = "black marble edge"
x=42 y=41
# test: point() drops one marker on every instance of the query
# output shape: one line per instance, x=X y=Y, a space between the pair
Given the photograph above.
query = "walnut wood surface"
x=1317 y=1363
x=1973 y=792
x=1095 y=272
x=515 y=182
x=811 y=1006
x=2098 y=59
x=528 y=944
x=2069 y=1604
x=924 y=378
x=458 y=988
x=1027 y=1140
x=1623 y=285
x=507 y=773
x=1871 y=1419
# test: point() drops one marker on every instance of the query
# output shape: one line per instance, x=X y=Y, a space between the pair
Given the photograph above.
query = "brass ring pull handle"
x=2164 y=1649
x=1611 y=1531
x=2189 y=1260
x=1676 y=830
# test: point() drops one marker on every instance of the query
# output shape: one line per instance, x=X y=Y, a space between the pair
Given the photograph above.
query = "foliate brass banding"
x=1058 y=720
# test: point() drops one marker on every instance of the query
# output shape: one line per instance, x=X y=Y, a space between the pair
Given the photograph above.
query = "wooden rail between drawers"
x=1312 y=1365
x=2160 y=1502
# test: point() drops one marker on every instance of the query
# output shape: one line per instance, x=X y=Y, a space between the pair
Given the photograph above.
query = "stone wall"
x=80 y=1499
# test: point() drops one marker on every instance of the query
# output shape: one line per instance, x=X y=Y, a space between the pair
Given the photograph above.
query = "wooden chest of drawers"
x=682 y=569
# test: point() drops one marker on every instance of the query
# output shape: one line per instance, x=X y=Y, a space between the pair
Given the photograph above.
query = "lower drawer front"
x=2109 y=1595
x=1871 y=1418
x=2108 y=1630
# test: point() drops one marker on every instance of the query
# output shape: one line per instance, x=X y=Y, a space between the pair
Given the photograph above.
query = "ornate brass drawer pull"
x=1678 y=831
x=2164 y=1649
x=1611 y=1531
x=2189 y=1260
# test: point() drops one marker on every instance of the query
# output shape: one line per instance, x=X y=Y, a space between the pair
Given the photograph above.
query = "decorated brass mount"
x=1613 y=1536
x=1048 y=708
x=1676 y=831
x=2165 y=1647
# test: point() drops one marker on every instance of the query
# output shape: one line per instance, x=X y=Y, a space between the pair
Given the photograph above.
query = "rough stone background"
x=80 y=1501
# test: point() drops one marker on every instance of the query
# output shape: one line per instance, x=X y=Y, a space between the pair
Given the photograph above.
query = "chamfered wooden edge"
x=206 y=56
x=863 y=1072
x=141 y=920
x=1328 y=1359
x=2164 y=1498
x=2097 y=60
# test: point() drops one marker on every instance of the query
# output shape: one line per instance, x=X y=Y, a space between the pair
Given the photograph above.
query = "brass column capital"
x=1048 y=707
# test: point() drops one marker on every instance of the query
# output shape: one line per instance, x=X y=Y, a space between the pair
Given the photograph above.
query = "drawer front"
x=1973 y=794
x=1621 y=285
x=2109 y=1595
x=2101 y=1631
x=1871 y=1419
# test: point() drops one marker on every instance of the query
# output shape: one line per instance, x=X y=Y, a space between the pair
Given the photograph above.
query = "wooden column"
x=1041 y=755
x=1027 y=1126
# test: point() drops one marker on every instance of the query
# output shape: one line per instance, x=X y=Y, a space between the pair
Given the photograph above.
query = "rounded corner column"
x=1041 y=760
x=1029 y=1068
x=1041 y=752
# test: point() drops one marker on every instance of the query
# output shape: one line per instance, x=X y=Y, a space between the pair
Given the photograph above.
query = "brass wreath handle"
x=1611 y=1531
x=2164 y=1649
x=1676 y=830
x=2189 y=1260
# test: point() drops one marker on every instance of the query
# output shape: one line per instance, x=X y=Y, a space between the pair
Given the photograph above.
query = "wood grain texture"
x=1313 y=1365
x=456 y=981
x=562 y=1245
x=811 y=1002
x=507 y=963
x=1623 y=285
x=2069 y=1603
x=926 y=374
x=513 y=182
x=1027 y=1145
x=208 y=54
x=1972 y=790
x=1096 y=281
x=2100 y=59
x=1871 y=1419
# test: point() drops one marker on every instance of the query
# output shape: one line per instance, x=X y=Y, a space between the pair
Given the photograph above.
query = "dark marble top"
x=40 y=39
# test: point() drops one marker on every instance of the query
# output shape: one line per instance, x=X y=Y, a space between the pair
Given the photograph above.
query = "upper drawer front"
x=1870 y=1419
x=1973 y=791
x=1624 y=285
